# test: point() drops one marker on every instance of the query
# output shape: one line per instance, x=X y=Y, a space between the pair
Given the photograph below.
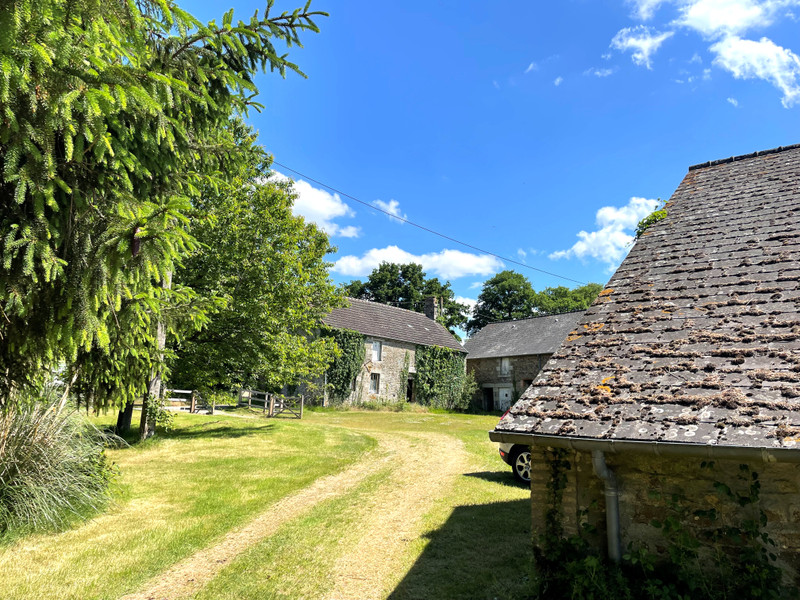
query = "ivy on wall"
x=402 y=391
x=346 y=366
x=442 y=379
x=717 y=552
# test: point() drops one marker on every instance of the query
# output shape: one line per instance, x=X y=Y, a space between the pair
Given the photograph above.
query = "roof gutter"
x=657 y=448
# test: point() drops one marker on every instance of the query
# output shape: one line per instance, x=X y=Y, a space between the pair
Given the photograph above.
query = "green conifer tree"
x=113 y=118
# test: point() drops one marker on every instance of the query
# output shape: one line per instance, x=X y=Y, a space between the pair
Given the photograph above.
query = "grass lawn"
x=179 y=493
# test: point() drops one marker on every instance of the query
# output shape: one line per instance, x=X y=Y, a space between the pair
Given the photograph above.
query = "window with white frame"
x=374 y=383
x=376 y=351
x=505 y=366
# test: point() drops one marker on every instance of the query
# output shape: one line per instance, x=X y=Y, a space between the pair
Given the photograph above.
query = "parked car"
x=519 y=458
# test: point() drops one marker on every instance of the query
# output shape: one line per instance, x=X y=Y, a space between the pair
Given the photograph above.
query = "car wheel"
x=521 y=464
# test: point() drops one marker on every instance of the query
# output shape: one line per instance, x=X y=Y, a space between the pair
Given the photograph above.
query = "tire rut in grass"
x=423 y=474
x=409 y=456
x=192 y=573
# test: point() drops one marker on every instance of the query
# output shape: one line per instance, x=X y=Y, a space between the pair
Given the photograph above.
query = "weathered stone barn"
x=506 y=357
x=391 y=336
x=684 y=369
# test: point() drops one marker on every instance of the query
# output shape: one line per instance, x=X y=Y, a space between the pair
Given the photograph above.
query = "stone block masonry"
x=651 y=488
x=514 y=372
x=395 y=358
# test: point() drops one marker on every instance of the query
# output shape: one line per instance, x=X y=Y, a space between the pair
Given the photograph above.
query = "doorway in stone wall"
x=410 y=390
x=488 y=399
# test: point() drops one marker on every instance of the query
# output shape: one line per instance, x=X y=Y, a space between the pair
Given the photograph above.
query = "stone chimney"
x=433 y=307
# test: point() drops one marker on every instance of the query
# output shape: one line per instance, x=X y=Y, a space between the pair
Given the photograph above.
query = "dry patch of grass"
x=176 y=496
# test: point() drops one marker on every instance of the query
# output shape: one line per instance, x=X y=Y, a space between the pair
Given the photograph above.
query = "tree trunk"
x=124 y=419
x=146 y=427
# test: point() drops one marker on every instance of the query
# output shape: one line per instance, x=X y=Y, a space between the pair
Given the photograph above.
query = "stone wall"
x=489 y=375
x=647 y=485
x=393 y=357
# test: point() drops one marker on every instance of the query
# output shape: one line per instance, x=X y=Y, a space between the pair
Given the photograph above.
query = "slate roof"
x=696 y=338
x=536 y=335
x=391 y=323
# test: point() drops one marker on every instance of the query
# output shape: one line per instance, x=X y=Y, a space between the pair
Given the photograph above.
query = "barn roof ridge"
x=722 y=161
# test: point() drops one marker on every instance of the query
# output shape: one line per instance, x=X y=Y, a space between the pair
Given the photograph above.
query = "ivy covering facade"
x=441 y=379
x=346 y=366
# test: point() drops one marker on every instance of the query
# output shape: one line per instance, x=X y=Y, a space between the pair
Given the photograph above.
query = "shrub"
x=53 y=468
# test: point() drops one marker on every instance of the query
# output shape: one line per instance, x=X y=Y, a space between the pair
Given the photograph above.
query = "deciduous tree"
x=562 y=299
x=509 y=295
x=407 y=286
x=265 y=269
x=506 y=296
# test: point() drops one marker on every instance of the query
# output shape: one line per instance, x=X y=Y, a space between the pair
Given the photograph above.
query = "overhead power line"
x=423 y=228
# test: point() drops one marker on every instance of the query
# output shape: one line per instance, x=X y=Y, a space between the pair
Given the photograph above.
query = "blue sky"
x=540 y=131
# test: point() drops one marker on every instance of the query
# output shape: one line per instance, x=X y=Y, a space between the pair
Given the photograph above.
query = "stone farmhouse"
x=506 y=357
x=392 y=336
x=684 y=376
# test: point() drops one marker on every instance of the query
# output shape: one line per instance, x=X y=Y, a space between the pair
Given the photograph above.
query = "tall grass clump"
x=53 y=468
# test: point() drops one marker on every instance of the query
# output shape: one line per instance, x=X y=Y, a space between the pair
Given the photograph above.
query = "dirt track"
x=395 y=511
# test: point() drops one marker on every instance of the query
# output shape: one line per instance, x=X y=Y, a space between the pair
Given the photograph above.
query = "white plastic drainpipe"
x=612 y=504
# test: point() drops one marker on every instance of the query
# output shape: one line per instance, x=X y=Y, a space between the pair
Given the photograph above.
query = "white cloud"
x=610 y=242
x=393 y=208
x=733 y=101
x=470 y=302
x=599 y=72
x=641 y=41
x=521 y=253
x=715 y=18
x=531 y=67
x=696 y=58
x=349 y=231
x=320 y=207
x=448 y=264
x=645 y=9
x=558 y=81
x=706 y=74
x=748 y=59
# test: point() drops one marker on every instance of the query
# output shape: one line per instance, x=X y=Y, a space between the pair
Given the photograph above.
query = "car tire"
x=521 y=464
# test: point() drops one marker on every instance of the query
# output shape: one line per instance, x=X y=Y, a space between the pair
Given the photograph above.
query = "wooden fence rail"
x=273 y=404
x=181 y=398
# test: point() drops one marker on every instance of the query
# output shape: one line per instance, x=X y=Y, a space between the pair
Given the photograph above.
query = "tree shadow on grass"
x=482 y=551
x=207 y=430
x=500 y=478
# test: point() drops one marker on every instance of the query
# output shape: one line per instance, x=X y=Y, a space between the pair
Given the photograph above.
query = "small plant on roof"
x=654 y=217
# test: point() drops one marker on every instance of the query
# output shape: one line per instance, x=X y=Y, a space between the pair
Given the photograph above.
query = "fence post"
x=271 y=405
x=302 y=401
x=193 y=402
